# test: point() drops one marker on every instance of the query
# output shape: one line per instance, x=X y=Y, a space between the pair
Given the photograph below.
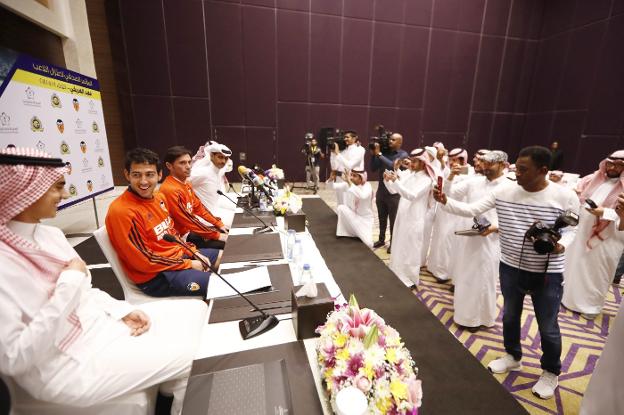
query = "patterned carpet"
x=583 y=340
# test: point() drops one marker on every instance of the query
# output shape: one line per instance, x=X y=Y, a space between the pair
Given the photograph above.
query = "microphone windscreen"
x=242 y=170
x=220 y=192
x=170 y=238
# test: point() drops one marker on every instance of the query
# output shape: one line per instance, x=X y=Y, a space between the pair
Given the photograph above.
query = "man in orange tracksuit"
x=185 y=208
x=136 y=222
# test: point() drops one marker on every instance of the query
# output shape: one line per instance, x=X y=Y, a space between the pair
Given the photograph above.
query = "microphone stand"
x=249 y=327
x=265 y=228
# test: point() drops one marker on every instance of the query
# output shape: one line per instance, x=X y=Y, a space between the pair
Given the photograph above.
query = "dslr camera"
x=337 y=138
x=545 y=237
x=383 y=139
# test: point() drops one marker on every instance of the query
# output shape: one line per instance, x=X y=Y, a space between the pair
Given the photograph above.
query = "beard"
x=613 y=174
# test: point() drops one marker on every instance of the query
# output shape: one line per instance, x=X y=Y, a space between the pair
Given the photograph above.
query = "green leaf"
x=353 y=302
x=371 y=337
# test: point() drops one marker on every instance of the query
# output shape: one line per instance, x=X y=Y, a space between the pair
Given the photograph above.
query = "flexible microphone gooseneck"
x=265 y=228
x=249 y=327
x=234 y=190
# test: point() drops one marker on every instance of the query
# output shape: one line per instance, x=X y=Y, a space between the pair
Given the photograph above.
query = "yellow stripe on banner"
x=34 y=79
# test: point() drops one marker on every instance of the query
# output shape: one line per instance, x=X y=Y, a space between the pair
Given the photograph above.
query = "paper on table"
x=244 y=281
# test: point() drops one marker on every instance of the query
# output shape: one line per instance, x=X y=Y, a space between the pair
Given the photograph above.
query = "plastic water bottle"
x=290 y=244
x=262 y=204
x=306 y=275
x=298 y=253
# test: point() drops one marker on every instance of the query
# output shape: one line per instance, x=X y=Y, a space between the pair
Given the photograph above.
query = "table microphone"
x=265 y=228
x=249 y=327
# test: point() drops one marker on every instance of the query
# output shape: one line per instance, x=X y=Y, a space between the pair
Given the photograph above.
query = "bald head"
x=396 y=141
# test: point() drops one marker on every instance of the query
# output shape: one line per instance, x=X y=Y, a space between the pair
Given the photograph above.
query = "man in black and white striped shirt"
x=522 y=269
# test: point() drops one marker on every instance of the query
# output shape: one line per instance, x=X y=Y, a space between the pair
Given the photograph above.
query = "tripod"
x=313 y=174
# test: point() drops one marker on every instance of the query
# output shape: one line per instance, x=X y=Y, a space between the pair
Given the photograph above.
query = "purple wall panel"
x=412 y=67
x=438 y=85
x=605 y=114
x=260 y=146
x=234 y=138
x=361 y=9
x=225 y=60
x=354 y=118
x=418 y=12
x=511 y=75
x=590 y=11
x=550 y=64
x=322 y=116
x=356 y=60
x=594 y=149
x=269 y=3
x=526 y=78
x=301 y=5
x=464 y=66
x=537 y=129
x=185 y=43
x=387 y=52
x=144 y=35
x=558 y=16
x=408 y=125
x=259 y=66
x=390 y=10
x=618 y=7
x=292 y=56
x=153 y=118
x=192 y=121
x=567 y=130
x=524 y=21
x=580 y=65
x=325 y=59
x=327 y=6
x=501 y=130
x=385 y=116
x=480 y=128
x=293 y=123
x=490 y=61
x=496 y=17
x=464 y=15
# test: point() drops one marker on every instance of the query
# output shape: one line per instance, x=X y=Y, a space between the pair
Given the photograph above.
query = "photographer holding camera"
x=532 y=257
x=313 y=155
x=387 y=203
x=342 y=162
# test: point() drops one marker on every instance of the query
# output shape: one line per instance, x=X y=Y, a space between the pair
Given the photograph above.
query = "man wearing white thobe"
x=342 y=162
x=593 y=256
x=443 y=239
x=355 y=216
x=415 y=190
x=475 y=268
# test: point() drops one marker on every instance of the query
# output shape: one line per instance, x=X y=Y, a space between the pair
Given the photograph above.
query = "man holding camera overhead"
x=342 y=162
x=385 y=155
x=530 y=216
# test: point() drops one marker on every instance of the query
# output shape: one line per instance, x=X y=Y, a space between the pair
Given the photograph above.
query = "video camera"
x=337 y=138
x=544 y=237
x=383 y=139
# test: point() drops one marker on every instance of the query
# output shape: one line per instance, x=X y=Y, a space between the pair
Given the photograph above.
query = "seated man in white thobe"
x=60 y=339
x=415 y=190
x=208 y=176
x=355 y=216
x=593 y=256
x=342 y=162
x=476 y=259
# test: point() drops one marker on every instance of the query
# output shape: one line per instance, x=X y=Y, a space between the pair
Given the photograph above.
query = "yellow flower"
x=343 y=354
x=398 y=389
x=391 y=355
x=383 y=405
x=340 y=340
x=368 y=371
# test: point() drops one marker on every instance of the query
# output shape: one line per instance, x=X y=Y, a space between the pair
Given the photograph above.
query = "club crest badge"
x=95 y=128
x=192 y=286
x=100 y=162
x=72 y=190
x=35 y=124
x=65 y=148
x=56 y=101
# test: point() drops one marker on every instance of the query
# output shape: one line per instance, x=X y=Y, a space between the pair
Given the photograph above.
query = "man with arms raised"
x=342 y=162
x=60 y=339
x=184 y=206
x=136 y=223
x=522 y=269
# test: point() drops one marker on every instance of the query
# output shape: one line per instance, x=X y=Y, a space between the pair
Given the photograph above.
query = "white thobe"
x=355 y=216
x=407 y=236
x=476 y=260
x=105 y=361
x=589 y=272
x=431 y=214
x=443 y=238
x=206 y=179
x=604 y=392
x=351 y=158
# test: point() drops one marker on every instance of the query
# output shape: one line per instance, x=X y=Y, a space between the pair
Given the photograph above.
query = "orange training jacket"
x=135 y=227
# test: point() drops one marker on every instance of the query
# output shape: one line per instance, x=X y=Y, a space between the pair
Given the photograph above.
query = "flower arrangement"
x=287 y=202
x=357 y=348
x=274 y=173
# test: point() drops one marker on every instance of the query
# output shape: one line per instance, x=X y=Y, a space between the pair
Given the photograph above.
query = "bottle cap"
x=306 y=267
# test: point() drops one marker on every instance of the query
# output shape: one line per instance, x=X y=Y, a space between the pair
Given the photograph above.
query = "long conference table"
x=453 y=380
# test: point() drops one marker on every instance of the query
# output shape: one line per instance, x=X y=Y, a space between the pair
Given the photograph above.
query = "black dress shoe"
x=379 y=244
x=473 y=329
x=389 y=250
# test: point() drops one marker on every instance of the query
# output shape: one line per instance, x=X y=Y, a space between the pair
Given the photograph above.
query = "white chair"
x=132 y=293
x=137 y=403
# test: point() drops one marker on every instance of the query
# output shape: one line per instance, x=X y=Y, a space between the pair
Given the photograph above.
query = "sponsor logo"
x=89 y=185
x=163 y=206
x=60 y=125
x=83 y=147
x=162 y=228
x=40 y=145
x=95 y=128
x=189 y=207
x=69 y=167
x=76 y=104
x=65 y=148
x=85 y=163
x=56 y=101
x=5 y=124
x=92 y=109
x=72 y=191
x=35 y=124
x=5 y=120
x=30 y=94
x=30 y=98
x=192 y=286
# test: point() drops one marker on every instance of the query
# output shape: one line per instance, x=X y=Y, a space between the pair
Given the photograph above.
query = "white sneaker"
x=504 y=364
x=546 y=385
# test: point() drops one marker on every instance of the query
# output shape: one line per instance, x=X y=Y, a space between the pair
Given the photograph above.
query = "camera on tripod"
x=544 y=237
x=382 y=138
x=337 y=138
x=307 y=145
